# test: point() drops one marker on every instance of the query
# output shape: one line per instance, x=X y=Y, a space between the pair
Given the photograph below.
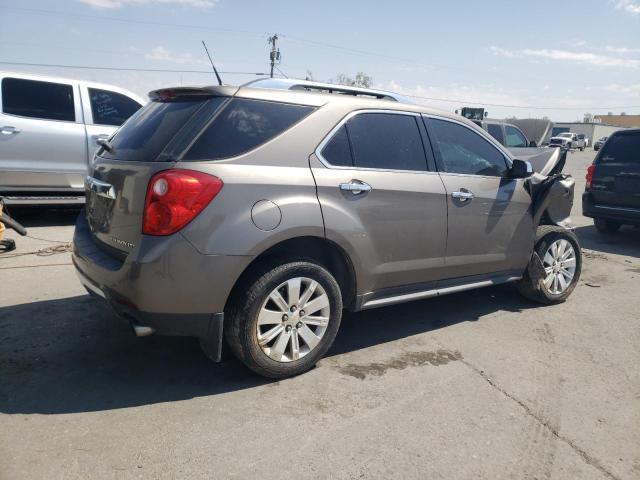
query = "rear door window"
x=337 y=151
x=386 y=141
x=495 y=131
x=143 y=137
x=463 y=151
x=514 y=138
x=111 y=108
x=37 y=99
x=244 y=125
x=621 y=148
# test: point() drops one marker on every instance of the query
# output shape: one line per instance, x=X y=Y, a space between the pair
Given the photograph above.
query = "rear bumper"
x=164 y=284
x=616 y=213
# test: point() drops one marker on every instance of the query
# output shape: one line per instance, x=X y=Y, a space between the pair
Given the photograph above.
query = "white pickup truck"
x=49 y=129
x=568 y=141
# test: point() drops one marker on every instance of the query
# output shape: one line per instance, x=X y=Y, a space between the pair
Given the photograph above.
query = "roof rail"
x=311 y=86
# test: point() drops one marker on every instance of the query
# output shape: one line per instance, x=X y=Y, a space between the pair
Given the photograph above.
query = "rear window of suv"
x=244 y=125
x=145 y=135
x=621 y=148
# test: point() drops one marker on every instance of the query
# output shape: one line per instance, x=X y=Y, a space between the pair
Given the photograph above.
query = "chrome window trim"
x=482 y=133
x=486 y=136
x=345 y=119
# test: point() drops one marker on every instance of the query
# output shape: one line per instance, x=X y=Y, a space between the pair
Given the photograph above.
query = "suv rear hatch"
x=616 y=177
x=150 y=141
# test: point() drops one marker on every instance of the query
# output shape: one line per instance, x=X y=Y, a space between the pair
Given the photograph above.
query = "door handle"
x=356 y=187
x=463 y=195
x=9 y=130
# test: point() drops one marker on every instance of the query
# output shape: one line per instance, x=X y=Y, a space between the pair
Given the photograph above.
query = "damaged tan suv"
x=258 y=213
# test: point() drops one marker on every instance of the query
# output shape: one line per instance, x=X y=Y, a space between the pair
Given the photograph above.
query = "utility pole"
x=274 y=55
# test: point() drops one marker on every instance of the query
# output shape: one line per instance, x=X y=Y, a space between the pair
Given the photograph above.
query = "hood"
x=545 y=161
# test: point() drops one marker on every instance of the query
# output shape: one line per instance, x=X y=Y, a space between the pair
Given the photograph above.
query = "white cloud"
x=585 y=58
x=630 y=90
x=501 y=52
x=631 y=6
x=162 y=54
x=120 y=3
x=621 y=50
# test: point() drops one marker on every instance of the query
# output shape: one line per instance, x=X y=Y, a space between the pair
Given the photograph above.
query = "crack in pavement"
x=546 y=424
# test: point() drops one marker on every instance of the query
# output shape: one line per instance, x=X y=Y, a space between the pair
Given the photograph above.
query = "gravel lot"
x=480 y=384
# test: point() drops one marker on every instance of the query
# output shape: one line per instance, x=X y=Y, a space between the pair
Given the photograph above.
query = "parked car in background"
x=567 y=140
x=262 y=213
x=542 y=159
x=583 y=140
x=599 y=143
x=49 y=130
x=612 y=191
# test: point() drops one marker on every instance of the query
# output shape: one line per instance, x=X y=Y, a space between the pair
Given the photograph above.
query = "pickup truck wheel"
x=559 y=252
x=285 y=320
x=606 y=226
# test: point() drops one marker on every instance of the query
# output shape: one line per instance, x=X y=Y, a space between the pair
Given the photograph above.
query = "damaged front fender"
x=552 y=199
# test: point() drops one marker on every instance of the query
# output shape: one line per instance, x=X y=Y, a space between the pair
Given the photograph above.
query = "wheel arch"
x=321 y=250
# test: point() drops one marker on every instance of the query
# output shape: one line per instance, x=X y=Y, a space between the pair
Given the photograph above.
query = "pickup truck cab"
x=49 y=129
x=568 y=141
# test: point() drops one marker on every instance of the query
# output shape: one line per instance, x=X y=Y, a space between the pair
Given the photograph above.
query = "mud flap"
x=535 y=271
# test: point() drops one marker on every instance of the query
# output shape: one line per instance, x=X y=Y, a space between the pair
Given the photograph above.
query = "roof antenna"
x=212 y=65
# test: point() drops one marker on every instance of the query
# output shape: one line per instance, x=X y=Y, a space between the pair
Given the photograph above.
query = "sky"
x=555 y=59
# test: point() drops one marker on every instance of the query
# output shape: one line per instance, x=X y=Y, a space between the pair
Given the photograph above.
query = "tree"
x=361 y=80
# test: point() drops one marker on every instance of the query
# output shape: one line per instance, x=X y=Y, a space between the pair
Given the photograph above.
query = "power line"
x=160 y=70
x=448 y=100
x=130 y=20
x=535 y=107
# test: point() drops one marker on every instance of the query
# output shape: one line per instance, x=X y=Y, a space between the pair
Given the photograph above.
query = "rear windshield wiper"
x=104 y=143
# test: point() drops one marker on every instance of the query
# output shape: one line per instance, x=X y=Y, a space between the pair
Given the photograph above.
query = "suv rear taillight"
x=589 y=177
x=175 y=197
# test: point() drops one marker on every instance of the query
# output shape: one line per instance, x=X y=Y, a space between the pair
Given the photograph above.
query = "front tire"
x=284 y=319
x=606 y=226
x=561 y=257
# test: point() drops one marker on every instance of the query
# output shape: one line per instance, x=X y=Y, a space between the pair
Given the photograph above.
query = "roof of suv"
x=312 y=86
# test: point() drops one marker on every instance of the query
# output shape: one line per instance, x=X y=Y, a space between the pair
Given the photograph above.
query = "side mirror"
x=521 y=169
x=532 y=143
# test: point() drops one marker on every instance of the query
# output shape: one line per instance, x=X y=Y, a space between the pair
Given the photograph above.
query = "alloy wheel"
x=559 y=265
x=293 y=319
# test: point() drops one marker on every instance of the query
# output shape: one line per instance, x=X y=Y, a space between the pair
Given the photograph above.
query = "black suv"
x=612 y=191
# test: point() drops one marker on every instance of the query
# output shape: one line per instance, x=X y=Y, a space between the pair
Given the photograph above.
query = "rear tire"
x=278 y=338
x=555 y=286
x=606 y=226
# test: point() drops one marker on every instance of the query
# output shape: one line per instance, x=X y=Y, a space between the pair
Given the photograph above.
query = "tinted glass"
x=244 y=125
x=495 y=131
x=383 y=140
x=36 y=99
x=464 y=151
x=514 y=138
x=150 y=129
x=111 y=108
x=621 y=148
x=337 y=151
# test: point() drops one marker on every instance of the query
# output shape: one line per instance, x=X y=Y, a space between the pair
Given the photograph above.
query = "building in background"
x=591 y=130
x=622 y=120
